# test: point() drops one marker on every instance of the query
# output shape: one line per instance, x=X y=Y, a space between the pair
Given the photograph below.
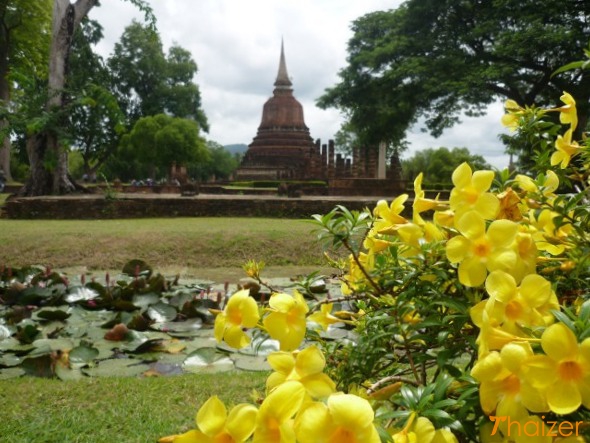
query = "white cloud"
x=236 y=45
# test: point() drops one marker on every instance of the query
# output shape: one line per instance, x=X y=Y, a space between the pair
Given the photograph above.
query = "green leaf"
x=53 y=314
x=161 y=312
x=250 y=363
x=82 y=355
x=207 y=360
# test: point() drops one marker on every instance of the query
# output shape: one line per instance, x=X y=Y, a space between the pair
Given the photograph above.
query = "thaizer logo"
x=534 y=427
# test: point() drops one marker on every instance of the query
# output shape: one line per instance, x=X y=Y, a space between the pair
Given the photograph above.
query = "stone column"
x=381 y=162
x=372 y=162
x=331 y=169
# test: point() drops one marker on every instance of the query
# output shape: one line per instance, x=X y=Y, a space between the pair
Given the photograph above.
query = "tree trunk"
x=47 y=156
x=4 y=98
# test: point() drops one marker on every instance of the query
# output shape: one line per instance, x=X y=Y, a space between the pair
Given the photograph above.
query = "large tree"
x=24 y=43
x=149 y=82
x=437 y=58
x=96 y=122
x=155 y=143
x=46 y=151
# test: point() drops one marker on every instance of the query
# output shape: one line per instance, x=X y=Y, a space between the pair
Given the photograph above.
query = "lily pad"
x=250 y=363
x=261 y=346
x=81 y=293
x=5 y=332
x=9 y=360
x=162 y=312
x=8 y=373
x=118 y=367
x=67 y=373
x=207 y=360
x=55 y=344
x=144 y=300
x=82 y=355
x=159 y=369
x=185 y=328
x=52 y=314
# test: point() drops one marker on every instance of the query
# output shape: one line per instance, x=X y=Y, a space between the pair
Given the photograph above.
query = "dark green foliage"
x=438 y=165
x=434 y=59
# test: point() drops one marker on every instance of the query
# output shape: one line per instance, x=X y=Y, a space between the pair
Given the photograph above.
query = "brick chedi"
x=283 y=147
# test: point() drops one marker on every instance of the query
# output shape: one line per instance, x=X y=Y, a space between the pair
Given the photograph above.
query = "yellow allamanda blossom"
x=470 y=193
x=568 y=113
x=513 y=114
x=344 y=418
x=421 y=430
x=240 y=312
x=565 y=150
x=513 y=306
x=324 y=316
x=274 y=423
x=214 y=425
x=503 y=391
x=478 y=251
x=563 y=373
x=548 y=237
x=421 y=203
x=548 y=188
x=356 y=278
x=286 y=321
x=305 y=366
x=387 y=216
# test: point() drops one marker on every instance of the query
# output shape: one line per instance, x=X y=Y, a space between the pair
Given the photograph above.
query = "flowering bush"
x=470 y=315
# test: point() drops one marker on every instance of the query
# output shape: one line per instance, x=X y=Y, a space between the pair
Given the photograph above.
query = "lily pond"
x=137 y=324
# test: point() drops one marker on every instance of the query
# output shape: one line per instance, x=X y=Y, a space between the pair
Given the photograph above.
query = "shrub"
x=472 y=324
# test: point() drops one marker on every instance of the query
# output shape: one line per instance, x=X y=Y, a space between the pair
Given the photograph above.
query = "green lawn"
x=96 y=410
x=113 y=409
x=192 y=243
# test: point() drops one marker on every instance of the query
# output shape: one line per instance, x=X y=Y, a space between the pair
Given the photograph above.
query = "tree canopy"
x=149 y=82
x=434 y=59
x=155 y=143
x=438 y=164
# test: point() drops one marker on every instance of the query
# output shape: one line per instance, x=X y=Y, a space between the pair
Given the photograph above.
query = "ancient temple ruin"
x=283 y=148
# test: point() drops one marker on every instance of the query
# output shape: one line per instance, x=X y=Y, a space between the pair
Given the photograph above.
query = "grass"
x=131 y=410
x=193 y=243
x=113 y=409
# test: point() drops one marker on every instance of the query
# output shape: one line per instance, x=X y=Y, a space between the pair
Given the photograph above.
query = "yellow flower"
x=514 y=112
x=240 y=312
x=421 y=430
x=355 y=277
x=502 y=389
x=388 y=216
x=421 y=203
x=324 y=317
x=568 y=113
x=478 y=251
x=304 y=366
x=345 y=418
x=564 y=372
x=566 y=149
x=512 y=306
x=275 y=417
x=215 y=425
x=470 y=193
x=286 y=321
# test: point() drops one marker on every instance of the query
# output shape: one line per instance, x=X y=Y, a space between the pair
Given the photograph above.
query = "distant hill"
x=238 y=148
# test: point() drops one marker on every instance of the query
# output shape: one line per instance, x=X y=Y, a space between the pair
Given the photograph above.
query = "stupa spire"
x=283 y=81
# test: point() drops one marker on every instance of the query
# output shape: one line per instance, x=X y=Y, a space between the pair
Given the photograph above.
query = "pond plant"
x=466 y=320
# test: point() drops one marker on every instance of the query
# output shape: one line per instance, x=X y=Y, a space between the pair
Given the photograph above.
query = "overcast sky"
x=236 y=44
